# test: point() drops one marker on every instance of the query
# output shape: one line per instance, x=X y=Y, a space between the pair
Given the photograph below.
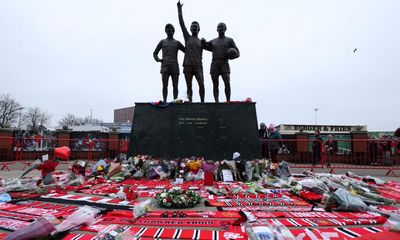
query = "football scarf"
x=174 y=233
x=334 y=233
x=255 y=201
x=101 y=189
x=40 y=209
x=389 y=209
x=46 y=205
x=148 y=194
x=79 y=236
x=186 y=222
x=23 y=195
x=230 y=185
x=310 y=196
x=98 y=227
x=268 y=208
x=261 y=195
x=350 y=215
x=88 y=200
x=36 y=211
x=178 y=214
x=194 y=214
x=6 y=205
x=390 y=194
x=170 y=222
x=160 y=184
x=327 y=222
x=12 y=224
x=392 y=185
x=147 y=183
x=16 y=215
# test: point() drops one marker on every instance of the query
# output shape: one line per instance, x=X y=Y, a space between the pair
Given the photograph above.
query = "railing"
x=311 y=154
x=13 y=150
x=381 y=154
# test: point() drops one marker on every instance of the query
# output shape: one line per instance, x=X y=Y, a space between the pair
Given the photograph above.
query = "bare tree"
x=69 y=119
x=36 y=119
x=91 y=120
x=9 y=109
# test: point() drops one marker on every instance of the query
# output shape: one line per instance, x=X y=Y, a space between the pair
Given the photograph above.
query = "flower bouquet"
x=177 y=198
x=84 y=215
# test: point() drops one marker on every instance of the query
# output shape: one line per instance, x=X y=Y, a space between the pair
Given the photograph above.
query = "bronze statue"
x=192 y=63
x=223 y=48
x=169 y=61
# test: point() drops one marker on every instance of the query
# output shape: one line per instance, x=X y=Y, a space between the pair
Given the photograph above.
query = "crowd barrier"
x=310 y=154
x=24 y=151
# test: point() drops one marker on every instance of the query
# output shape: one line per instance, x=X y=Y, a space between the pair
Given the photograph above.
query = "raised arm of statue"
x=156 y=51
x=181 y=22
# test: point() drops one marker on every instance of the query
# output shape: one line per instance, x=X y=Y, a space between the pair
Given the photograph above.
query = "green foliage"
x=177 y=198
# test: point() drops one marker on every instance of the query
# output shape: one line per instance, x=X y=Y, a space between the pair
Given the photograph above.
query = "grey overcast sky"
x=76 y=55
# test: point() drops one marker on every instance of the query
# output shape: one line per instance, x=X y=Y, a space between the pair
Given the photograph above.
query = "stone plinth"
x=211 y=130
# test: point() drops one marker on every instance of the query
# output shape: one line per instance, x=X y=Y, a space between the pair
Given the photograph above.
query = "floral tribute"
x=176 y=197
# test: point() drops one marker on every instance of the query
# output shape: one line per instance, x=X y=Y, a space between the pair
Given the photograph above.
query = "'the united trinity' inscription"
x=198 y=121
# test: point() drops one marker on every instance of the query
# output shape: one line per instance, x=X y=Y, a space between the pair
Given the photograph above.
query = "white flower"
x=232 y=235
x=175 y=189
x=163 y=195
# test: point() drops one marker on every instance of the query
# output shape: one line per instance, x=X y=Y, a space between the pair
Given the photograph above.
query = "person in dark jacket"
x=397 y=134
x=386 y=149
x=262 y=132
x=373 y=149
x=263 y=136
x=316 y=148
x=274 y=142
x=331 y=146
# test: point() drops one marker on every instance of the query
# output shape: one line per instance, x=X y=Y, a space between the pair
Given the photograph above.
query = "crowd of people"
x=385 y=147
x=381 y=150
x=274 y=144
x=45 y=141
x=88 y=142
x=33 y=141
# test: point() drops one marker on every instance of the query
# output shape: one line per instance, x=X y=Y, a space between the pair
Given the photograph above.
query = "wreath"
x=177 y=198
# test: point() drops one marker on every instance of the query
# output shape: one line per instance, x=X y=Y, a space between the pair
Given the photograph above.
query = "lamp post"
x=19 y=125
x=316 y=112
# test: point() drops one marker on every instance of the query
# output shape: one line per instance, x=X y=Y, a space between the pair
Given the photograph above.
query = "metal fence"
x=381 y=154
x=311 y=154
x=13 y=150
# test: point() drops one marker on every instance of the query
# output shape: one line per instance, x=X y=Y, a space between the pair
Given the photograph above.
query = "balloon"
x=62 y=152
